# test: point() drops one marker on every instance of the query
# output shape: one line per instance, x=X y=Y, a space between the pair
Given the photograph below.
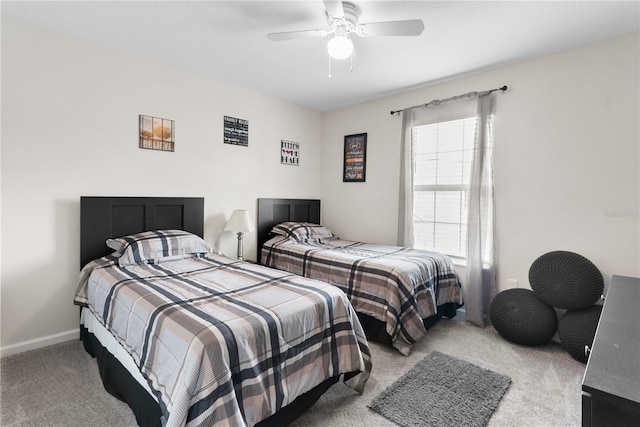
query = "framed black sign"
x=355 y=158
x=236 y=131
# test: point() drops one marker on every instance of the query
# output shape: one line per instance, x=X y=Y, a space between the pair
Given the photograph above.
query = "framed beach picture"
x=157 y=133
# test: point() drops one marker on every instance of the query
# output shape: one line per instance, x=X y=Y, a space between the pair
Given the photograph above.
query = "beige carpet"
x=545 y=390
x=60 y=385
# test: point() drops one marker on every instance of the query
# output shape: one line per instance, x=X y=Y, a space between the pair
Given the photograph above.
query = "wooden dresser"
x=611 y=383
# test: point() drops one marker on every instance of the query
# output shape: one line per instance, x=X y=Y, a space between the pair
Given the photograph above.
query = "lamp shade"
x=340 y=47
x=239 y=221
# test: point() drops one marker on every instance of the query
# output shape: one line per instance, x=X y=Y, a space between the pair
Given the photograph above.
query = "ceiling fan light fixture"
x=340 y=47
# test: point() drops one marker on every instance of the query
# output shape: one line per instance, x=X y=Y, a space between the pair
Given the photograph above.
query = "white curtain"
x=481 y=270
x=405 y=217
x=479 y=286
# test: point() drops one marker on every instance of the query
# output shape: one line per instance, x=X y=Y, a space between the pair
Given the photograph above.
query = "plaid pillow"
x=303 y=232
x=151 y=246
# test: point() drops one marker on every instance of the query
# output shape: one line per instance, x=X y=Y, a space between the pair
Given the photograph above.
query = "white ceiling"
x=226 y=40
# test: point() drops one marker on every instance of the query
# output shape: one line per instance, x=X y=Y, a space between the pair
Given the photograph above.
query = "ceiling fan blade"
x=411 y=27
x=290 y=35
x=334 y=8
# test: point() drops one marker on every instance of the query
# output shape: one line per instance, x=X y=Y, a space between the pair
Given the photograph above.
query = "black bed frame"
x=102 y=218
x=274 y=211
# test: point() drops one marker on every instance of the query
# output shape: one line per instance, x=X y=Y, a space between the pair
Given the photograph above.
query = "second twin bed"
x=397 y=292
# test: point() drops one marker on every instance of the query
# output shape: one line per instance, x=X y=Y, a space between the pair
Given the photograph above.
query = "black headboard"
x=274 y=211
x=102 y=218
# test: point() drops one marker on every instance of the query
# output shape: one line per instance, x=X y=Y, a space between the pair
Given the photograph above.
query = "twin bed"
x=397 y=292
x=190 y=337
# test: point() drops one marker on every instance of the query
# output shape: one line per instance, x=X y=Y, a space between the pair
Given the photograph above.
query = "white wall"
x=69 y=129
x=566 y=159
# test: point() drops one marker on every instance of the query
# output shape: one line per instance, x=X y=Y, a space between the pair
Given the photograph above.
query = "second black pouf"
x=577 y=329
x=522 y=318
x=566 y=280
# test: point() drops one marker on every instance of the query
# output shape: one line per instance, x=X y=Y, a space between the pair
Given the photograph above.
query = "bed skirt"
x=120 y=384
x=375 y=329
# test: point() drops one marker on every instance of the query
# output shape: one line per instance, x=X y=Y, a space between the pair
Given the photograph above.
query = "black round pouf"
x=577 y=330
x=566 y=280
x=520 y=317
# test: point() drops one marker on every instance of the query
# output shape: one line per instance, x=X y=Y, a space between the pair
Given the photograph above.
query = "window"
x=442 y=156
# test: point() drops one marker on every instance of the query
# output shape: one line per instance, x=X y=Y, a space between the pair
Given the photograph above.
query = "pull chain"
x=350 y=66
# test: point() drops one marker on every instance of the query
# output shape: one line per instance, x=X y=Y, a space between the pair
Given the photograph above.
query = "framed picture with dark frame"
x=236 y=131
x=355 y=158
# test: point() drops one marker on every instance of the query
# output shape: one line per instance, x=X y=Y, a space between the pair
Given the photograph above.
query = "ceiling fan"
x=342 y=18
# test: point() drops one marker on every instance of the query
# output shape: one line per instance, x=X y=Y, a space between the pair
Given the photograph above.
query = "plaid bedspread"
x=396 y=285
x=223 y=342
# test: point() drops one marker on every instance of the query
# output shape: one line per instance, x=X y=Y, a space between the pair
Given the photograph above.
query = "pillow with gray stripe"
x=303 y=232
x=152 y=246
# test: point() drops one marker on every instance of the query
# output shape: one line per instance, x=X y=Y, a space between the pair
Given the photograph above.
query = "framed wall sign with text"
x=236 y=131
x=355 y=158
x=289 y=153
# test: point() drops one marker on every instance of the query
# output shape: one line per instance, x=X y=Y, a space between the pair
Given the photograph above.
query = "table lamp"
x=241 y=223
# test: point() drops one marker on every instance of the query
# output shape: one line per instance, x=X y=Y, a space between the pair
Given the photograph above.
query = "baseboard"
x=36 y=343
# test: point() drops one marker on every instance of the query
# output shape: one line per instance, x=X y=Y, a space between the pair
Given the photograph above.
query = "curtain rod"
x=438 y=101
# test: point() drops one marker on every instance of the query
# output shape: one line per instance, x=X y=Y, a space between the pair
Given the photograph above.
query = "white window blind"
x=442 y=156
